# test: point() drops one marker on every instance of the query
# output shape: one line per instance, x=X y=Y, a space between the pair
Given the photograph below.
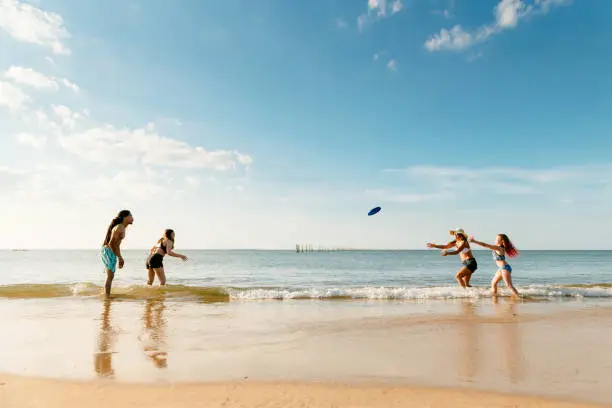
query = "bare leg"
x=109 y=282
x=161 y=275
x=151 y=276
x=461 y=274
x=496 y=279
x=507 y=276
x=467 y=278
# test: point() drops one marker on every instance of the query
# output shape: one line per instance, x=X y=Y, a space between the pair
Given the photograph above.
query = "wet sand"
x=448 y=354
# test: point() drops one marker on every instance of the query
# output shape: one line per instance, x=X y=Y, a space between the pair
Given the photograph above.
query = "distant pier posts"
x=299 y=248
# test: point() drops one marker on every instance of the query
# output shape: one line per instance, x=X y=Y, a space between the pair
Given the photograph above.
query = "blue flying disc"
x=374 y=211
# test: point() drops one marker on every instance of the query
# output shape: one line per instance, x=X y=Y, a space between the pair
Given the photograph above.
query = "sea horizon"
x=315 y=249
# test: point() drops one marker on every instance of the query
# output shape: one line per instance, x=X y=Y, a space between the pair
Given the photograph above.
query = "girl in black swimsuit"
x=465 y=253
x=155 y=261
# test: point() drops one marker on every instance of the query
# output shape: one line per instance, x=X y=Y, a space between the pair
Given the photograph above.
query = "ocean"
x=241 y=275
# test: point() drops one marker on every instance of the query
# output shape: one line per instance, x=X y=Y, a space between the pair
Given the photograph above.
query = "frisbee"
x=374 y=211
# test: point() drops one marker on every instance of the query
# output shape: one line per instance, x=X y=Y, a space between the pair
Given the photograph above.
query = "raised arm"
x=445 y=246
x=485 y=245
x=170 y=251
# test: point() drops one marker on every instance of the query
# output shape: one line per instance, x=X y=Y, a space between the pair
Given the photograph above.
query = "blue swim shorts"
x=109 y=259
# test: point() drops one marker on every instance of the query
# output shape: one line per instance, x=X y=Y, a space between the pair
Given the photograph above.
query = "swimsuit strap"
x=498 y=257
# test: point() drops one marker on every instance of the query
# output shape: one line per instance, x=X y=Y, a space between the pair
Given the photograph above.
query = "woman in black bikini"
x=465 y=253
x=155 y=261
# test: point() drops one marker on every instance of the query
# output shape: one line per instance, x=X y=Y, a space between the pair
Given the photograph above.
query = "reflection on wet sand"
x=471 y=354
x=510 y=339
x=469 y=359
x=103 y=358
x=153 y=337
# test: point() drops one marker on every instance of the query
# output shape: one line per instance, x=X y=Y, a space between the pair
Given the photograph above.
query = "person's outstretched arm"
x=445 y=246
x=485 y=245
x=170 y=251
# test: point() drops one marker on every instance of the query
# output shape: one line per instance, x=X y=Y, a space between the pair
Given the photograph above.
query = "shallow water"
x=244 y=275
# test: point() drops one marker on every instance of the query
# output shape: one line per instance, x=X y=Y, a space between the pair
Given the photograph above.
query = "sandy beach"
x=33 y=393
x=159 y=353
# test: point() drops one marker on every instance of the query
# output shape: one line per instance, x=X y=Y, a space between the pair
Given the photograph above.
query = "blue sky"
x=262 y=124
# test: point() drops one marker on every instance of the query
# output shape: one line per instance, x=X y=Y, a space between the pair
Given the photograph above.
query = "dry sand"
x=16 y=392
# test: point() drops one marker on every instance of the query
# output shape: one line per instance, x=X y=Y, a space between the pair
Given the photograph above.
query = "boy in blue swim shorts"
x=110 y=253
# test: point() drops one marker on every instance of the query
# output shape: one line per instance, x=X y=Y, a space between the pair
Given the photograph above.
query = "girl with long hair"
x=465 y=253
x=503 y=246
x=155 y=261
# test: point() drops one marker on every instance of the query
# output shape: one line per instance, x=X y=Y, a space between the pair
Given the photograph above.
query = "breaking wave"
x=227 y=294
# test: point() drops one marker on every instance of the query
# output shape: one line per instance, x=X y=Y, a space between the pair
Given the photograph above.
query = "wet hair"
x=167 y=235
x=510 y=249
x=123 y=214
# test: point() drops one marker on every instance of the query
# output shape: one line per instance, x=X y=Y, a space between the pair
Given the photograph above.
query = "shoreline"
x=27 y=392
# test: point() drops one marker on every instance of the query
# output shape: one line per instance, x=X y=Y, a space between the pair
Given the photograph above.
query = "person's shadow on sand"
x=103 y=358
x=153 y=337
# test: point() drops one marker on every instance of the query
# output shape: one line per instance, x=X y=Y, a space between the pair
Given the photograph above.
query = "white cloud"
x=11 y=178
x=394 y=196
x=463 y=173
x=396 y=7
x=340 y=23
x=107 y=144
x=70 y=85
x=27 y=23
x=43 y=122
x=378 y=9
x=62 y=111
x=380 y=6
x=27 y=76
x=474 y=56
x=192 y=181
x=50 y=60
x=392 y=65
x=37 y=142
x=68 y=118
x=137 y=184
x=549 y=182
x=448 y=12
x=507 y=13
x=454 y=39
x=546 y=5
x=361 y=21
x=102 y=143
x=12 y=97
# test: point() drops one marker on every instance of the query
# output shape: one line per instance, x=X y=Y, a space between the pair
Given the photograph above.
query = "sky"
x=244 y=124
